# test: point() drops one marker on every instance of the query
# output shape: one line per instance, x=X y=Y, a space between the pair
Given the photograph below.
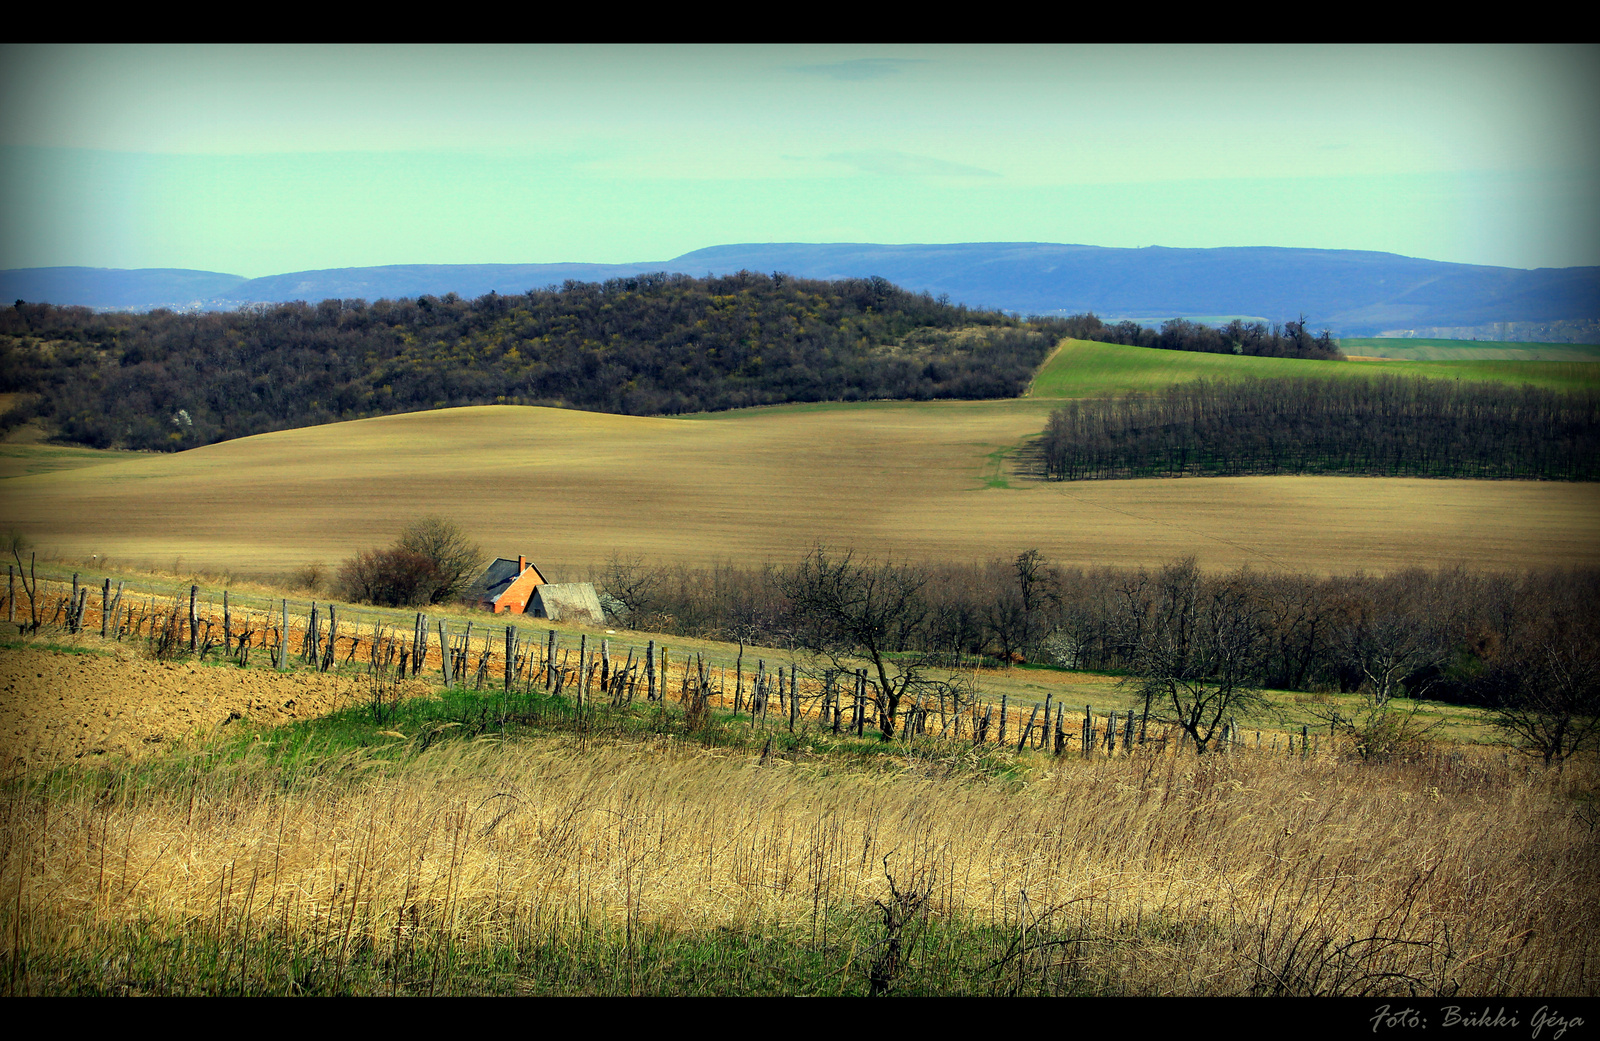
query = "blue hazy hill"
x=1353 y=292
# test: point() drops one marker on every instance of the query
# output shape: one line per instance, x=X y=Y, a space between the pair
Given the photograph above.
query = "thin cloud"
x=860 y=68
x=905 y=164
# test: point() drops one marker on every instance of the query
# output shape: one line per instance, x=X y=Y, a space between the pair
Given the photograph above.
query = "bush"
x=390 y=578
x=456 y=561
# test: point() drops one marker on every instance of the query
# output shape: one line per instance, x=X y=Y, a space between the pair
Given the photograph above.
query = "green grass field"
x=1088 y=369
x=1467 y=350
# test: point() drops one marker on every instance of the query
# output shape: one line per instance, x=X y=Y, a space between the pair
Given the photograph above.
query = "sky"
x=260 y=160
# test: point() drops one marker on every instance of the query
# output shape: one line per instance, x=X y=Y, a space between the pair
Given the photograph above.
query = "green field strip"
x=1086 y=369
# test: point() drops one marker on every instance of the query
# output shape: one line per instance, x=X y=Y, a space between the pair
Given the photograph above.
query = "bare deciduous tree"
x=456 y=559
x=631 y=584
x=871 y=610
x=1549 y=700
x=1200 y=655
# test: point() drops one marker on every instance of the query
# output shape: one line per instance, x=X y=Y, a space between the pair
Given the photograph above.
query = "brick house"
x=508 y=585
x=518 y=587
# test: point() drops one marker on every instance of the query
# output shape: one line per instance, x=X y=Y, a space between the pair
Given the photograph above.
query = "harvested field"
x=901 y=479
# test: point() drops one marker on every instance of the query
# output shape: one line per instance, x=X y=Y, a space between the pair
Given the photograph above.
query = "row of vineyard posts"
x=840 y=701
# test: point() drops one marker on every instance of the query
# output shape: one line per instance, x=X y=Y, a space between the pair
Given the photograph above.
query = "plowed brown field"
x=56 y=706
x=923 y=481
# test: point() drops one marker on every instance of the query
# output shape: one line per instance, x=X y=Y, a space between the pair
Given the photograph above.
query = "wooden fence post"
x=650 y=671
x=1002 y=720
x=511 y=650
x=583 y=668
x=738 y=679
x=283 y=639
x=1027 y=731
x=444 y=654
x=549 y=661
x=333 y=635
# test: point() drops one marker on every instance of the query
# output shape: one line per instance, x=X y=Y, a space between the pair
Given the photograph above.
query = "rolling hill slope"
x=915 y=480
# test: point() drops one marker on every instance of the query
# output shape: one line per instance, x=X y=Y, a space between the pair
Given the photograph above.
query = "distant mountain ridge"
x=1353 y=292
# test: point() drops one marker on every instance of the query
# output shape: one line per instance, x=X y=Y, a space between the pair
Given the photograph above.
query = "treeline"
x=1389 y=426
x=1447 y=634
x=1256 y=339
x=649 y=345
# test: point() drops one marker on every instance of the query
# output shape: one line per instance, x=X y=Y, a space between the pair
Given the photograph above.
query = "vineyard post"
x=283 y=639
x=72 y=623
x=420 y=659
x=227 y=626
x=11 y=594
x=333 y=636
x=1027 y=731
x=583 y=668
x=194 y=637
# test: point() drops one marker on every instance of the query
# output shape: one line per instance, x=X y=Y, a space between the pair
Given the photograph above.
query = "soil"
x=57 y=707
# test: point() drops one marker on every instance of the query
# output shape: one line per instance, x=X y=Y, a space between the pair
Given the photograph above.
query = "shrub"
x=389 y=577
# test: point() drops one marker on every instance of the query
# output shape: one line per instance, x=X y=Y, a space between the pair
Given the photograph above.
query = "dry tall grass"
x=1156 y=875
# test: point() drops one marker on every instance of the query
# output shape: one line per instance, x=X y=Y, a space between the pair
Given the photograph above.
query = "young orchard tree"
x=16 y=544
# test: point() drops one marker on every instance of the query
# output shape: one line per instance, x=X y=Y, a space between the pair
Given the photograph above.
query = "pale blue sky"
x=258 y=160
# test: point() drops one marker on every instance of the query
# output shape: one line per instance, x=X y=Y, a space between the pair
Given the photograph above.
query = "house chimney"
x=522 y=563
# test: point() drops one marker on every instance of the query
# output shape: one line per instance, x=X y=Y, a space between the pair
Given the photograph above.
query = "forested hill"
x=646 y=345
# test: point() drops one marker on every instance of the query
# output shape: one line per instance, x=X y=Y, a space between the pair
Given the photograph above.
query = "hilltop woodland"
x=1385 y=426
x=650 y=345
x=1252 y=339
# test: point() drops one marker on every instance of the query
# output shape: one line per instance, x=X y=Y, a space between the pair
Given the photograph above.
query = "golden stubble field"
x=923 y=480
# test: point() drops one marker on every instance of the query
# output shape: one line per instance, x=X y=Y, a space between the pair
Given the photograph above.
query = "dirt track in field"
x=57 y=707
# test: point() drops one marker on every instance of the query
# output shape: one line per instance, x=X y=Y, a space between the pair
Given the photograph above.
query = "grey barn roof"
x=567 y=602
